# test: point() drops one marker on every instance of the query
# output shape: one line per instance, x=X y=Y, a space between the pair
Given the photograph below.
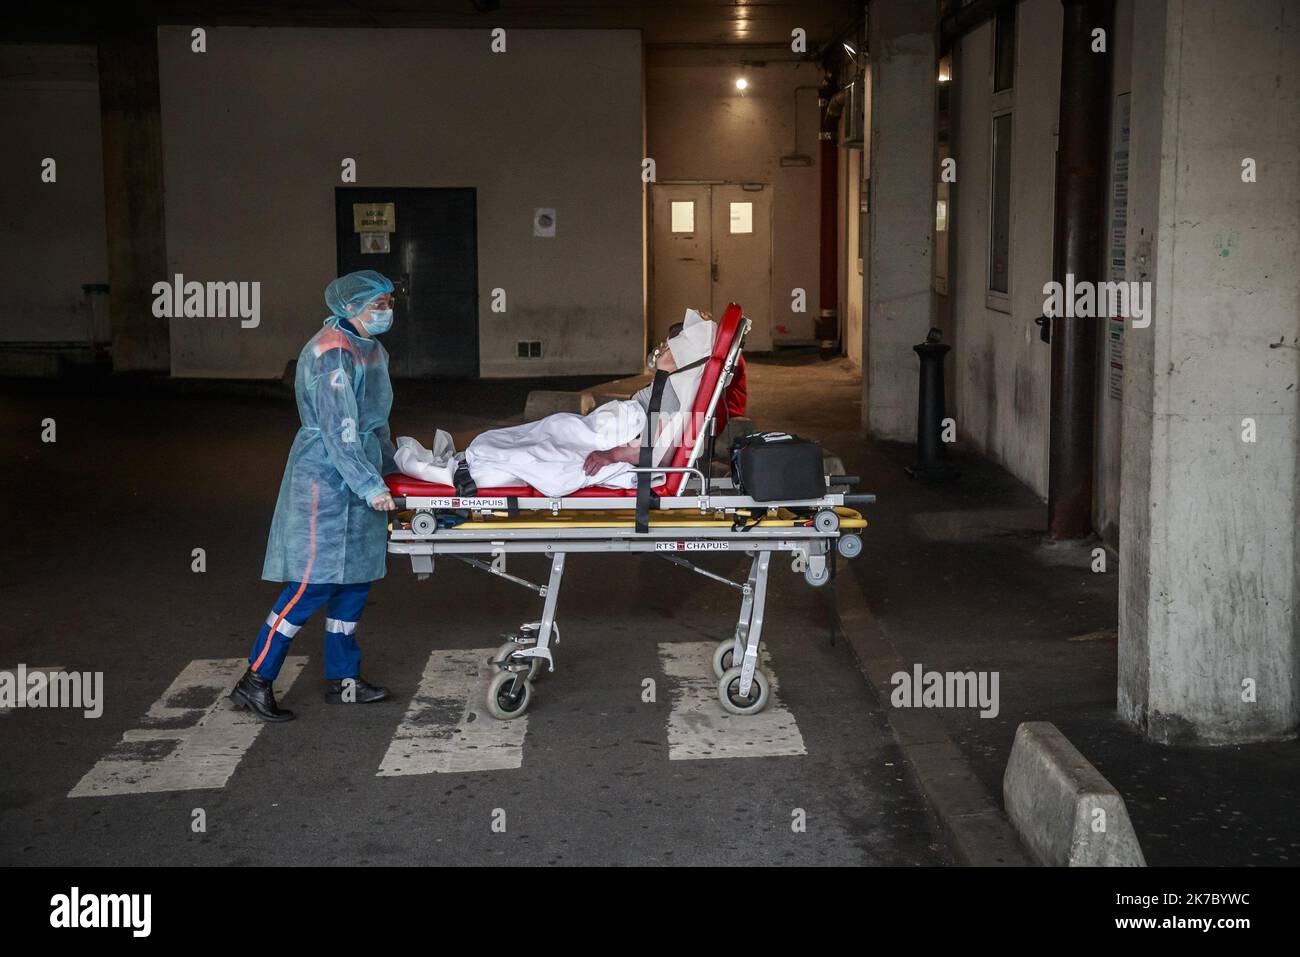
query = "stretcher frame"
x=716 y=517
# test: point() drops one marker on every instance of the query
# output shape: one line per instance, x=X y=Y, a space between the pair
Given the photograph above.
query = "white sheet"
x=549 y=454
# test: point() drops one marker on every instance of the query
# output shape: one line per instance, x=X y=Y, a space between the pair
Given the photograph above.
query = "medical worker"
x=329 y=534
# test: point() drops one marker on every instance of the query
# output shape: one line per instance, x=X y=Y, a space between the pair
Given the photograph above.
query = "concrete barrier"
x=621 y=389
x=544 y=402
x=1065 y=812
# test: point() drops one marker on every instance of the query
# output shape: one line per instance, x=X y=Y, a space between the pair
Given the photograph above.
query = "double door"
x=711 y=244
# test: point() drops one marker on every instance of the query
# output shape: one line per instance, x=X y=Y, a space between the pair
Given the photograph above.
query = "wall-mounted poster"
x=1117 y=240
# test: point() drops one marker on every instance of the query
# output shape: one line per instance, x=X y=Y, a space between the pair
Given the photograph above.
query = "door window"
x=742 y=217
x=683 y=216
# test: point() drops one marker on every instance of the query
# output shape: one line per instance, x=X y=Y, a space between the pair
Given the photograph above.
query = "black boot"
x=254 y=691
x=363 y=692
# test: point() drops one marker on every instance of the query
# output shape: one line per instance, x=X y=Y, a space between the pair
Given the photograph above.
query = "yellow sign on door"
x=374 y=217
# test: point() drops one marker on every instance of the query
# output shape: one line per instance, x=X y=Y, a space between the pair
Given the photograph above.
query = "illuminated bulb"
x=742 y=83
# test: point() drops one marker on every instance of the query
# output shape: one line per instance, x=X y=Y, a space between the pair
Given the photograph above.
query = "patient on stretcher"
x=561 y=453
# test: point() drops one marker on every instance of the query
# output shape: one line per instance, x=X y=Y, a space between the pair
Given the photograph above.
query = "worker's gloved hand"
x=383 y=502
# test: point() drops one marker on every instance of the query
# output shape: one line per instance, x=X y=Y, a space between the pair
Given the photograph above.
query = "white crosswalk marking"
x=447 y=727
x=13 y=673
x=698 y=727
x=189 y=739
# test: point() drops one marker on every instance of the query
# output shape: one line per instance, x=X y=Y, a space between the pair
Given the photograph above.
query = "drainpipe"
x=827 y=329
x=1083 y=149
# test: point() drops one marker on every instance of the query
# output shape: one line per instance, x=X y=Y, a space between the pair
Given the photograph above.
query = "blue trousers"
x=298 y=602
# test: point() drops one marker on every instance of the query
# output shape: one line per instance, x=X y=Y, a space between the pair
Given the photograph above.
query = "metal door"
x=711 y=245
x=681 y=254
x=432 y=259
x=742 y=257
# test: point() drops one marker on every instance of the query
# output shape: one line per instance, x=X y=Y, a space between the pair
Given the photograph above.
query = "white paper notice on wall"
x=543 y=222
x=375 y=243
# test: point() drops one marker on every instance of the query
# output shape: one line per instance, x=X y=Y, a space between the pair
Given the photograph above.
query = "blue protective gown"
x=324 y=530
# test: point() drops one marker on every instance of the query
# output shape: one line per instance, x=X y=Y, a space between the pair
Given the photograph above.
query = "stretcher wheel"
x=722 y=656
x=729 y=692
x=423 y=523
x=500 y=703
x=850 y=546
x=509 y=648
x=816 y=579
x=826 y=521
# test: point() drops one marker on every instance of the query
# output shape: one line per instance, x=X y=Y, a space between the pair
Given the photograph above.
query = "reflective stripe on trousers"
x=296 y=604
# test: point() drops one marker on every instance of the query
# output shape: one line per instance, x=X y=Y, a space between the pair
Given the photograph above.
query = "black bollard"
x=931 y=456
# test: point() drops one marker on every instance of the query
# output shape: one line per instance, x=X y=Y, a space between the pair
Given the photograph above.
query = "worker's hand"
x=597 y=461
x=383 y=502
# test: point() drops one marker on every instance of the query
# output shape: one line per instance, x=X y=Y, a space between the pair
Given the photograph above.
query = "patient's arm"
x=629 y=454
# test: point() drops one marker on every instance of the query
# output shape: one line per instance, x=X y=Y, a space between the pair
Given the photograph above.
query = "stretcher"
x=688 y=514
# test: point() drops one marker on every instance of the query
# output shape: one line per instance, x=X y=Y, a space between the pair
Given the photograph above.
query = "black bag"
x=777 y=466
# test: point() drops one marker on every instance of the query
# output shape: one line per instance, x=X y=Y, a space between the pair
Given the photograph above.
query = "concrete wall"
x=1002 y=369
x=1208 y=536
x=699 y=129
x=255 y=129
x=52 y=234
x=900 y=305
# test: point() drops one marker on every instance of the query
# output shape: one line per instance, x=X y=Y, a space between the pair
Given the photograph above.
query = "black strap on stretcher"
x=644 y=480
x=645 y=498
x=465 y=487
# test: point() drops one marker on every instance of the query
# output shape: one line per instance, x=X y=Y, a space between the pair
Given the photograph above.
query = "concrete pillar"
x=133 y=192
x=900 y=305
x=1208 y=540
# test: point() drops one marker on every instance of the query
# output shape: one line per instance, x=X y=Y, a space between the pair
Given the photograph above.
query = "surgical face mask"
x=381 y=320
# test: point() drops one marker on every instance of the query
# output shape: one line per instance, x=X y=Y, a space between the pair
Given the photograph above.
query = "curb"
x=1057 y=799
x=978 y=833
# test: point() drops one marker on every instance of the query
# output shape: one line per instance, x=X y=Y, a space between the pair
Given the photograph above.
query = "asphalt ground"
x=96 y=576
